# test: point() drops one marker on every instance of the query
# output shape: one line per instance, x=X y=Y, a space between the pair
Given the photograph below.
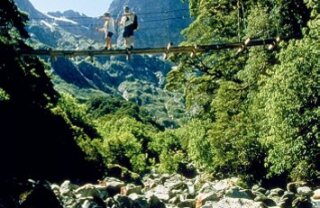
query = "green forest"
x=253 y=114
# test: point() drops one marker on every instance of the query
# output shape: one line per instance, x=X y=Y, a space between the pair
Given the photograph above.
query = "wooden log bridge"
x=165 y=50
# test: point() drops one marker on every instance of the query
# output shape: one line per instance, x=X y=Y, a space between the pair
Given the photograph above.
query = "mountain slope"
x=135 y=81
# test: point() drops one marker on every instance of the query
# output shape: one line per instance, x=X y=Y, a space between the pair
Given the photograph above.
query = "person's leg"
x=131 y=41
x=127 y=42
x=109 y=43
x=126 y=37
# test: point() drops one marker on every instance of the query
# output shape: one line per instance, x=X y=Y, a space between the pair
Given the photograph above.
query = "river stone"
x=187 y=203
x=293 y=186
x=304 y=191
x=316 y=194
x=277 y=192
x=87 y=190
x=160 y=192
x=67 y=187
x=202 y=198
x=262 y=198
x=130 y=189
x=237 y=203
x=237 y=192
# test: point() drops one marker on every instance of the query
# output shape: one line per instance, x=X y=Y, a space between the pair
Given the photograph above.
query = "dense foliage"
x=36 y=141
x=262 y=105
x=255 y=113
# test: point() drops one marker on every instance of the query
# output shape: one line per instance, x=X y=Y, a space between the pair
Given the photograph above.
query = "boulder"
x=286 y=199
x=113 y=186
x=293 y=186
x=237 y=192
x=187 y=203
x=161 y=192
x=304 y=191
x=277 y=192
x=67 y=188
x=202 y=198
x=265 y=200
x=237 y=203
x=131 y=188
x=92 y=203
x=316 y=194
x=87 y=190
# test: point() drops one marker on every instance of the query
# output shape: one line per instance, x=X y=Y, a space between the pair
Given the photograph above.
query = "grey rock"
x=286 y=199
x=88 y=190
x=237 y=192
x=180 y=185
x=316 y=194
x=315 y=203
x=305 y=191
x=160 y=192
x=174 y=200
x=293 y=186
x=67 y=187
x=262 y=198
x=191 y=189
x=205 y=197
x=93 y=203
x=237 y=203
x=257 y=189
x=187 y=203
x=113 y=187
x=130 y=188
x=277 y=192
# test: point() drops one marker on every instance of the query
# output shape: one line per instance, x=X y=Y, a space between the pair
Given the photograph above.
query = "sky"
x=92 y=8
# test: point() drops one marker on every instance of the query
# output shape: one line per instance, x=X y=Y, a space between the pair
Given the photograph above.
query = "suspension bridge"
x=240 y=46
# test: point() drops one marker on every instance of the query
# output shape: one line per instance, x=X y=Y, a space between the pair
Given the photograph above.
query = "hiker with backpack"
x=129 y=23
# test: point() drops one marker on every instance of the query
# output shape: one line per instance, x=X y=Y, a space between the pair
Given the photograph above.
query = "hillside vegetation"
x=260 y=107
x=253 y=114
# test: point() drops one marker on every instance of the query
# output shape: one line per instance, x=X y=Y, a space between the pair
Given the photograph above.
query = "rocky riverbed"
x=159 y=191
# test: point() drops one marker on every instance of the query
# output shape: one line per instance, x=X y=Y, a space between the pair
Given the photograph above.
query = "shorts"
x=109 y=35
x=127 y=32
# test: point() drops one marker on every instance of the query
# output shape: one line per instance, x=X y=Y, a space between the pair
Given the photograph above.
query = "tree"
x=292 y=107
x=35 y=142
x=247 y=96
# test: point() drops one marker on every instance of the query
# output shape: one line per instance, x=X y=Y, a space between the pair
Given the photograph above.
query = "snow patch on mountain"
x=62 y=19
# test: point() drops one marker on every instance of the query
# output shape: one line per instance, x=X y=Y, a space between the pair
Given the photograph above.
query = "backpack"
x=135 y=22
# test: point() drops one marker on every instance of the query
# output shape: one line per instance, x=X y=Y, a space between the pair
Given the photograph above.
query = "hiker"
x=129 y=23
x=108 y=29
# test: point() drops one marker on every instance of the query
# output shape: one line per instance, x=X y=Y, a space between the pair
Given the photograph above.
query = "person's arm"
x=123 y=20
x=104 y=28
x=100 y=29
